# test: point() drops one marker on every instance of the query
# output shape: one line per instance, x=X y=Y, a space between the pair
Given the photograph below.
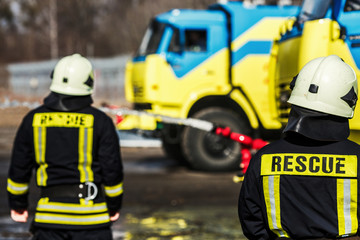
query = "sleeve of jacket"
x=252 y=220
x=111 y=164
x=21 y=166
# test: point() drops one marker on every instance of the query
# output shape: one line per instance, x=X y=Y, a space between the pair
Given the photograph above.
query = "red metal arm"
x=248 y=144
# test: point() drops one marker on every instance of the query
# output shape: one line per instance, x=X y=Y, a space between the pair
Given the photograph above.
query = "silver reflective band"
x=73 y=208
x=91 y=187
x=347 y=206
x=115 y=191
x=18 y=189
x=70 y=219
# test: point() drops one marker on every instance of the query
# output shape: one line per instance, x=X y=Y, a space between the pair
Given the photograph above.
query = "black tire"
x=174 y=151
x=207 y=151
x=171 y=144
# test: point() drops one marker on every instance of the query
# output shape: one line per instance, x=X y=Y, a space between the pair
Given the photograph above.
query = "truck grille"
x=138 y=91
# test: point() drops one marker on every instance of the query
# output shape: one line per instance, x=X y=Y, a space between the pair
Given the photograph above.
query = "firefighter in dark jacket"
x=305 y=186
x=75 y=152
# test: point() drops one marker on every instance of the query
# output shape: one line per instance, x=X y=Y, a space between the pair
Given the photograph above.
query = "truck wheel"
x=210 y=152
x=174 y=151
x=171 y=145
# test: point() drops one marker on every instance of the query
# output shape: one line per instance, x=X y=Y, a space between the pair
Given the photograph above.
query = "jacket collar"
x=61 y=102
x=316 y=125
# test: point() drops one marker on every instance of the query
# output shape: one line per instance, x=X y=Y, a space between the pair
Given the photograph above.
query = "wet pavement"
x=162 y=199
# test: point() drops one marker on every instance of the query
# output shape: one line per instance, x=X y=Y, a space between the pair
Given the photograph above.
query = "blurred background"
x=34 y=34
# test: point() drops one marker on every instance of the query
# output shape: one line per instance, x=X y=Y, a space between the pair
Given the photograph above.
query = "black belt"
x=87 y=191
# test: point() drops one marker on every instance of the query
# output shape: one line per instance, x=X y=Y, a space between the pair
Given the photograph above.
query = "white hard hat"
x=326 y=84
x=73 y=75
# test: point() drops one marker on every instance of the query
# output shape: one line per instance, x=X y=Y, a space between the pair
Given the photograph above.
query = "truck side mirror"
x=342 y=33
x=338 y=31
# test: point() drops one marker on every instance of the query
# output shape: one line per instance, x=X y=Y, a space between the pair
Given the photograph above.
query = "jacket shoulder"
x=97 y=112
x=31 y=113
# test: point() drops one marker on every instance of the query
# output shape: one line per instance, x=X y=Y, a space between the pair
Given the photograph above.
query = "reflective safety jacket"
x=301 y=189
x=67 y=149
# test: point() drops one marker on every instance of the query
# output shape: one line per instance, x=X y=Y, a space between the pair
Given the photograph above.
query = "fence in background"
x=33 y=79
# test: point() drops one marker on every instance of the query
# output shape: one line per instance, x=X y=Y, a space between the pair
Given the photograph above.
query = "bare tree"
x=54 y=47
x=7 y=25
x=43 y=29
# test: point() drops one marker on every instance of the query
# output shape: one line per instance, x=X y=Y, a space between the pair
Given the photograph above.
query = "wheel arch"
x=219 y=101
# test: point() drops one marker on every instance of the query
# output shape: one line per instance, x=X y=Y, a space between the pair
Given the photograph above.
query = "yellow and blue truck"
x=211 y=65
x=322 y=28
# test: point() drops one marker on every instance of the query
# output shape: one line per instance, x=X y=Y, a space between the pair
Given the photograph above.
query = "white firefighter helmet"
x=326 y=84
x=73 y=75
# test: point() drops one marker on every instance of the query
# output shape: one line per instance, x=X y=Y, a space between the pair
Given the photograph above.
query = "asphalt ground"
x=162 y=198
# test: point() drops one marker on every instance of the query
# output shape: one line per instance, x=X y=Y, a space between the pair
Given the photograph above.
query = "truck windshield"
x=174 y=45
x=312 y=10
x=151 y=39
x=352 y=5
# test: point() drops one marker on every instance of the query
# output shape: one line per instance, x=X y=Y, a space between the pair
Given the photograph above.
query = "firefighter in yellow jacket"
x=75 y=152
x=305 y=186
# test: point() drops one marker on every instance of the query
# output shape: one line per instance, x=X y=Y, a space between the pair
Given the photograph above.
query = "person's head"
x=327 y=85
x=323 y=98
x=73 y=75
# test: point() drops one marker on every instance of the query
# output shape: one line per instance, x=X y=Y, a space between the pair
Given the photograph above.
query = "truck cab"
x=209 y=64
x=322 y=28
x=168 y=59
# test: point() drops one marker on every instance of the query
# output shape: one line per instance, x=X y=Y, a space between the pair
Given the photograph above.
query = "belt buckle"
x=91 y=192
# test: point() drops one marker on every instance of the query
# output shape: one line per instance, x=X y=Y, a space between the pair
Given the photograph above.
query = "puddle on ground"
x=200 y=222
x=190 y=223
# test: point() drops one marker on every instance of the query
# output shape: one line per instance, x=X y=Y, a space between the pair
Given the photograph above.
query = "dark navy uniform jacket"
x=67 y=149
x=301 y=188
